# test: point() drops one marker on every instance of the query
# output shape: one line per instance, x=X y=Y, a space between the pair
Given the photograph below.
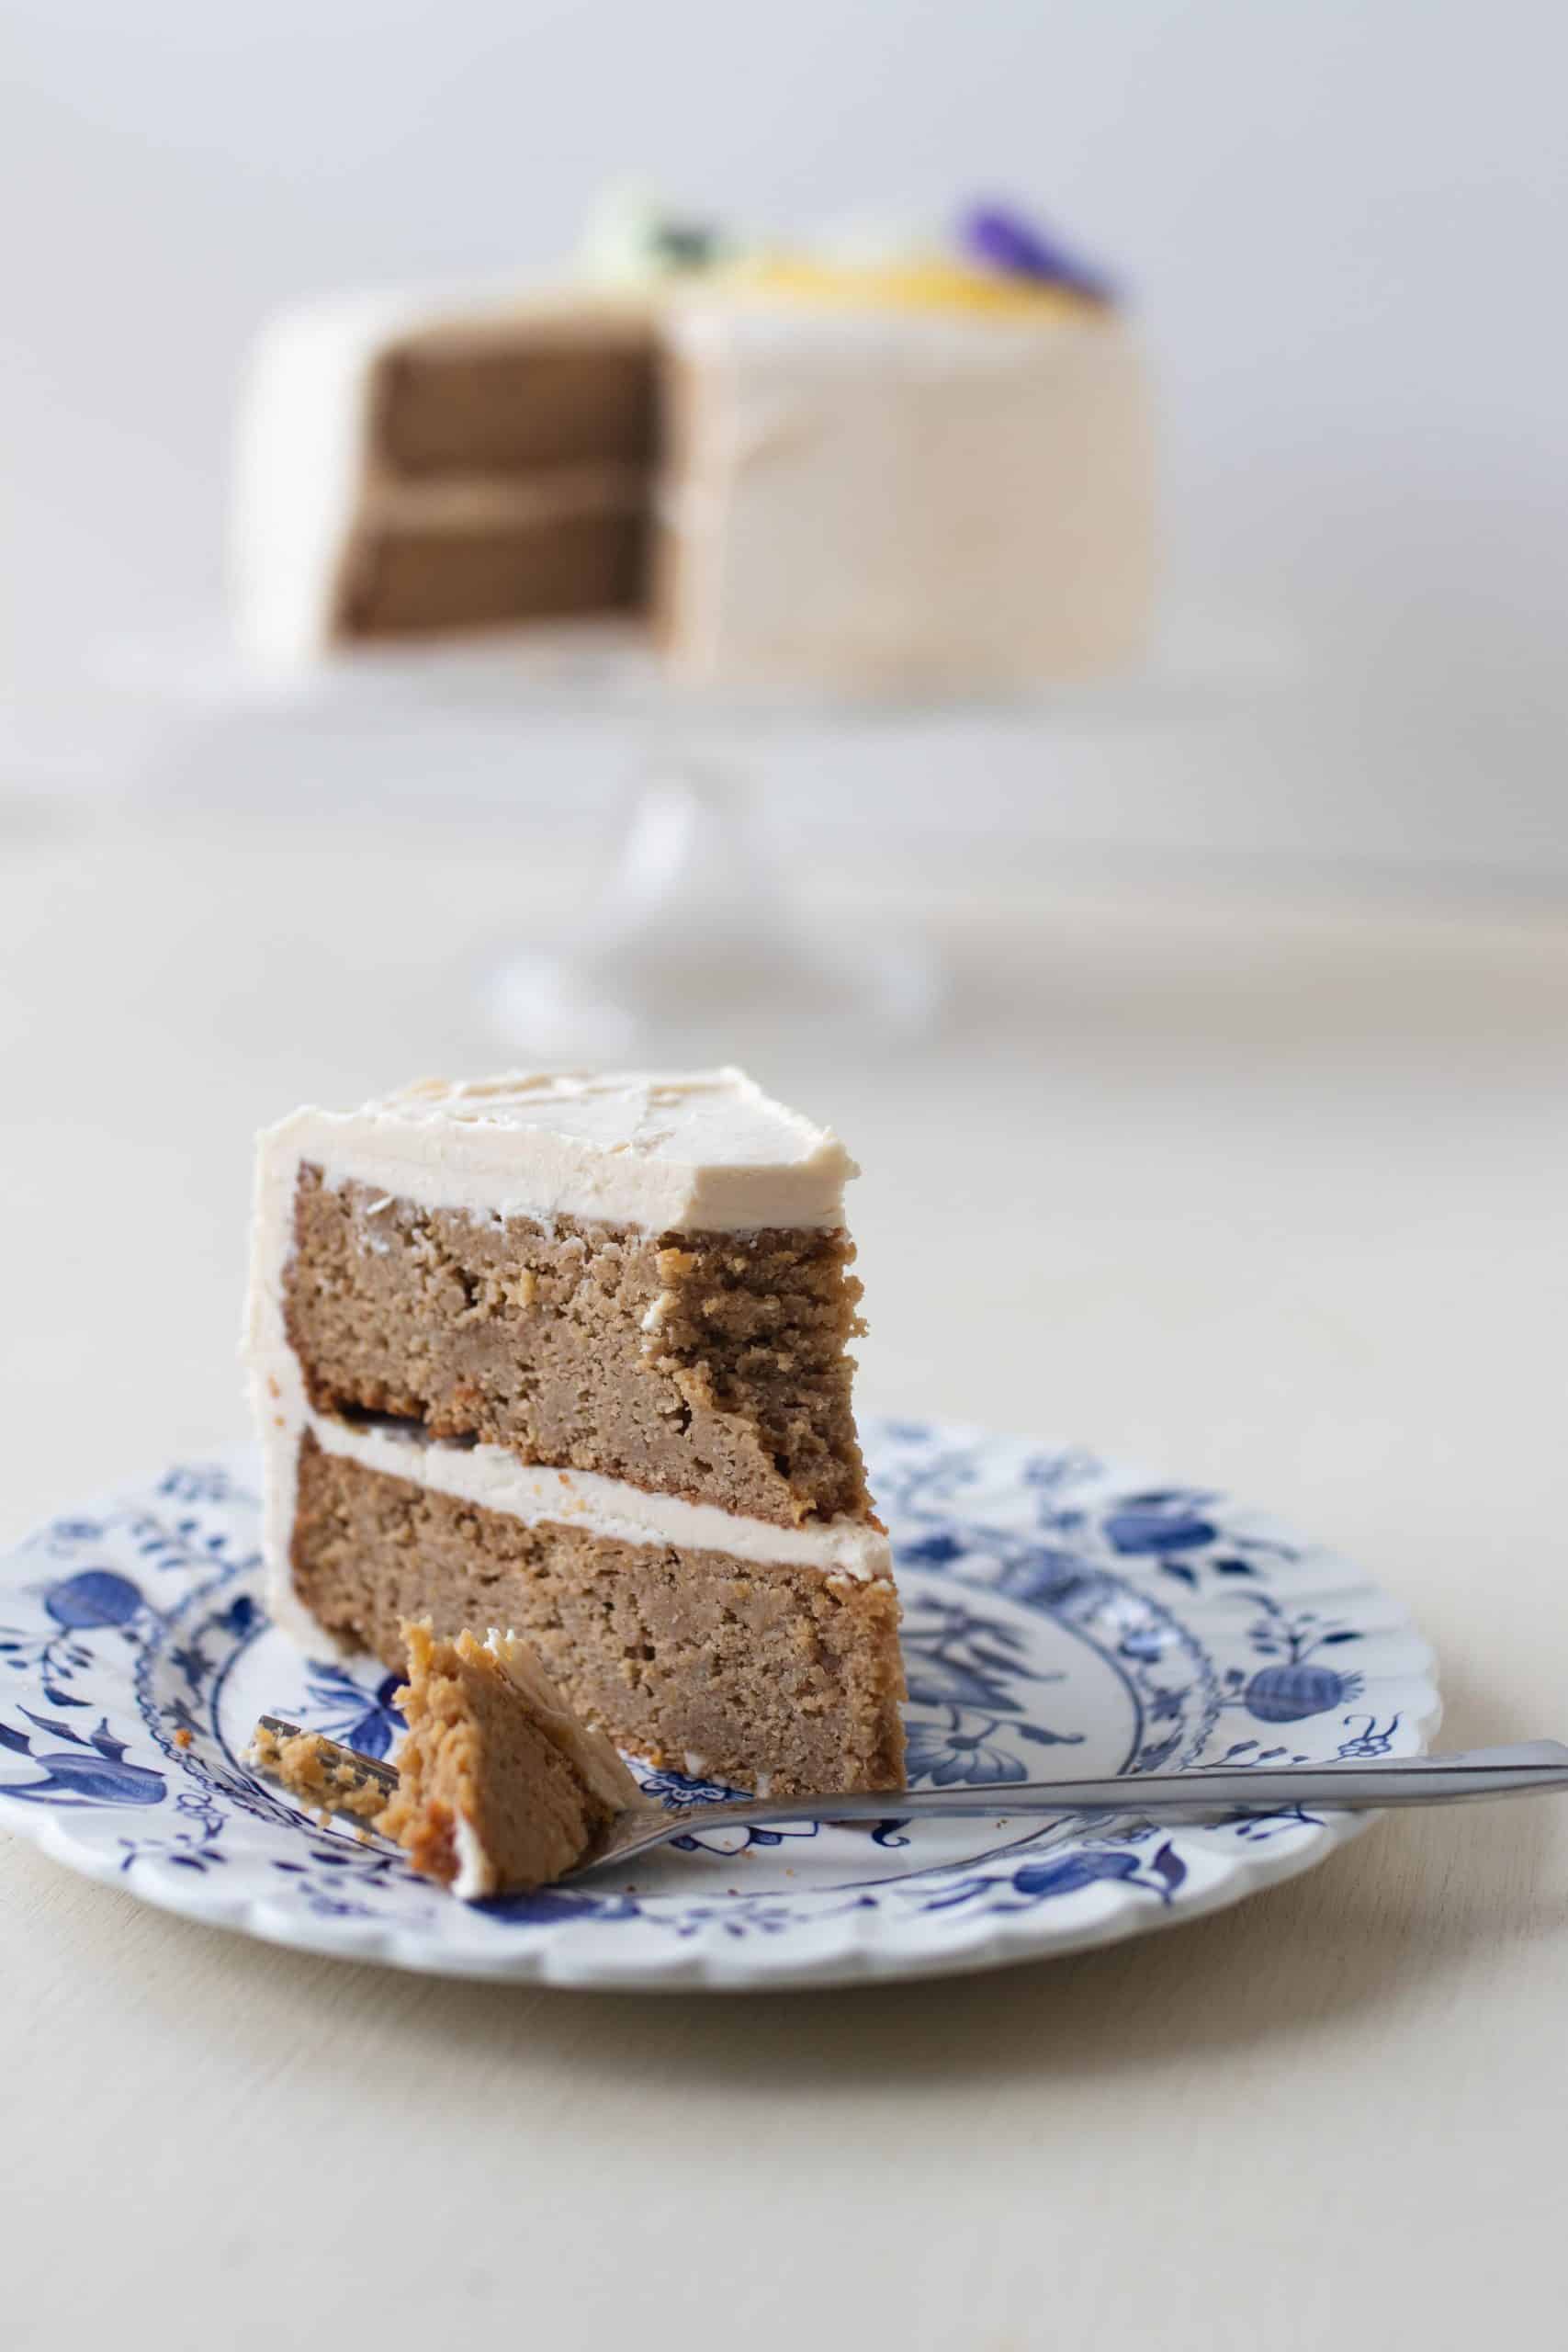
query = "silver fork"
x=1205 y=1792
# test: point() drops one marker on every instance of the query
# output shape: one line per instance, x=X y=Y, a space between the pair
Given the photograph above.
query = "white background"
x=1343 y=222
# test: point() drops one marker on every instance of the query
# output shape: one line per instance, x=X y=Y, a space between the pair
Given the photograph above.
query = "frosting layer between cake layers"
x=493 y=1479
x=706 y=1152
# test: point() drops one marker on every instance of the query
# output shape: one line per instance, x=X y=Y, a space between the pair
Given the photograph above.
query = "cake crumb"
x=323 y=1782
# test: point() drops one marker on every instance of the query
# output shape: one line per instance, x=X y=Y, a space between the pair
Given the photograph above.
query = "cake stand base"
x=697 y=948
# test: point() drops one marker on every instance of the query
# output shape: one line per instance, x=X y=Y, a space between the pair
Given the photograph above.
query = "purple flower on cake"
x=1004 y=238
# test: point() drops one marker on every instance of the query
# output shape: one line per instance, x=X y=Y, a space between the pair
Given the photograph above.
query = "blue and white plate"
x=1060 y=1617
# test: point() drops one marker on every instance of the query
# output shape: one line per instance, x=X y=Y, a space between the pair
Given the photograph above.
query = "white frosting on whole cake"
x=703 y=1151
x=905 y=500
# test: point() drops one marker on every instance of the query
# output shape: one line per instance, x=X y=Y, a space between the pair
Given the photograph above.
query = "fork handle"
x=1357 y=1784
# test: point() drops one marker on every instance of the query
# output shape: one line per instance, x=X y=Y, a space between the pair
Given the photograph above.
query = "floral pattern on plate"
x=1060 y=1617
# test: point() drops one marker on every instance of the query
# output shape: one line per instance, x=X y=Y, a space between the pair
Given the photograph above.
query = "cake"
x=925 y=471
x=495 y=1788
x=567 y=1354
x=501 y=1788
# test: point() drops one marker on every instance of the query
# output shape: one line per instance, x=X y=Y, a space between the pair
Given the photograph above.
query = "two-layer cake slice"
x=567 y=1354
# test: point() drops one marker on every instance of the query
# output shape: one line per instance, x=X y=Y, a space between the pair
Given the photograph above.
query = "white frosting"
x=476 y=1871
x=494 y=1480
x=299 y=465
x=704 y=1152
x=907 y=500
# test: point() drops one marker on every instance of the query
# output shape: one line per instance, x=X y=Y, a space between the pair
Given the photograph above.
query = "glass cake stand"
x=694 y=940
x=694 y=936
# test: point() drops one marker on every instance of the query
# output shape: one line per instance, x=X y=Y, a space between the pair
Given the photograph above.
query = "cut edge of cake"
x=313 y=487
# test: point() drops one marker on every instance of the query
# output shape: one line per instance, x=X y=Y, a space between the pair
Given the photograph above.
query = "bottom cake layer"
x=774 y=1677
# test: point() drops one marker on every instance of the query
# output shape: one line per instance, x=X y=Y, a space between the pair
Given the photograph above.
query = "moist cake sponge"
x=569 y=1354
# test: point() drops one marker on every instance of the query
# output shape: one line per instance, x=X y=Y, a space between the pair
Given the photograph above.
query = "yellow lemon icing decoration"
x=924 y=283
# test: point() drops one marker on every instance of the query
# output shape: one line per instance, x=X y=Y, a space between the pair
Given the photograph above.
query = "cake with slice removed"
x=567 y=1354
x=928 y=469
x=501 y=1788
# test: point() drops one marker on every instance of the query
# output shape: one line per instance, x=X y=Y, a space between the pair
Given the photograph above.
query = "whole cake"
x=927 y=469
x=567 y=1354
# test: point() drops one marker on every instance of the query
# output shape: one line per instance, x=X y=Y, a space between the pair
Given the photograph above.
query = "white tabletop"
x=1265 y=1191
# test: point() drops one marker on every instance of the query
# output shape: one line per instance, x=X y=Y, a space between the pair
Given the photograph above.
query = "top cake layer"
x=704 y=1151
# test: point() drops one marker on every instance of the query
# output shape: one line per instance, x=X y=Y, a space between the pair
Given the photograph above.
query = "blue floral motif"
x=961 y=1748
x=967 y=1665
x=93 y=1600
x=91 y=1772
x=95 y=1597
x=956 y=1655
x=676 y=1789
x=194 y=1846
x=1177 y=1528
x=1047 y=1881
x=344 y=1710
x=1373 y=1739
x=1292 y=1688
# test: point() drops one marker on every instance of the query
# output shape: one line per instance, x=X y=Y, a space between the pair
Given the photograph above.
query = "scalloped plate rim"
x=1108 y=1912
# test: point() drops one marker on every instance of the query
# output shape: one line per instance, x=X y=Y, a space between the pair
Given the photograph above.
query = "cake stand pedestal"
x=695 y=942
x=696 y=935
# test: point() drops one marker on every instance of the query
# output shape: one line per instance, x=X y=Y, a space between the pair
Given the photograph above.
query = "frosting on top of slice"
x=699 y=1151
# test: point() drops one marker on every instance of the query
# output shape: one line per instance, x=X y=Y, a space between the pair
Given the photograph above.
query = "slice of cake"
x=569 y=1354
x=501 y=1787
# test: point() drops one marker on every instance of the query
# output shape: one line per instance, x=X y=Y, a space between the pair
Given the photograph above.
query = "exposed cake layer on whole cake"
x=500 y=1786
x=578 y=1342
x=410 y=465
